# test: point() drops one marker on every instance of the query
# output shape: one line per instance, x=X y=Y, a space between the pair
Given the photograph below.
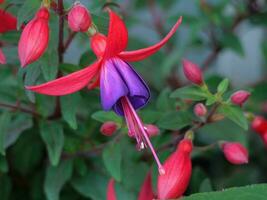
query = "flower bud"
x=98 y=44
x=259 y=125
x=178 y=170
x=2 y=1
x=200 y=110
x=2 y=57
x=151 y=129
x=111 y=194
x=79 y=18
x=235 y=153
x=34 y=38
x=146 y=192
x=240 y=97
x=108 y=128
x=192 y=72
x=8 y=22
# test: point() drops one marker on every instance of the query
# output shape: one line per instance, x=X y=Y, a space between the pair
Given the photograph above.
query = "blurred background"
x=226 y=38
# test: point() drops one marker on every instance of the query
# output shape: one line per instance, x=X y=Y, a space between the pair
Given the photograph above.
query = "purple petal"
x=112 y=87
x=138 y=90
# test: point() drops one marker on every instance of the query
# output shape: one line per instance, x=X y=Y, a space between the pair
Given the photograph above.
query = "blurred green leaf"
x=5 y=119
x=53 y=137
x=223 y=86
x=3 y=164
x=69 y=105
x=232 y=41
x=189 y=92
x=174 y=120
x=112 y=160
x=5 y=188
x=257 y=192
x=235 y=114
x=164 y=103
x=103 y=116
x=55 y=179
x=205 y=186
x=27 y=11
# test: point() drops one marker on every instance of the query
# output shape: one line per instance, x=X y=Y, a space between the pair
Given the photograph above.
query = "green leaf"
x=55 y=179
x=190 y=92
x=205 y=186
x=5 y=119
x=257 y=192
x=93 y=185
x=49 y=64
x=233 y=42
x=27 y=11
x=69 y=105
x=211 y=100
x=3 y=164
x=164 y=103
x=112 y=160
x=174 y=120
x=235 y=114
x=103 y=116
x=5 y=188
x=53 y=137
x=223 y=86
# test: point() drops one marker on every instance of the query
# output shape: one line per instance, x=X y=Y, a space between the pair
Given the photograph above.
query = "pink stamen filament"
x=136 y=128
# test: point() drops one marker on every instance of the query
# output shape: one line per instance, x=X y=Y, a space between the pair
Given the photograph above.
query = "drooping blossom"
x=146 y=192
x=111 y=193
x=108 y=128
x=8 y=22
x=34 y=38
x=264 y=138
x=240 y=97
x=200 y=110
x=192 y=72
x=2 y=57
x=121 y=88
x=79 y=18
x=235 y=153
x=178 y=168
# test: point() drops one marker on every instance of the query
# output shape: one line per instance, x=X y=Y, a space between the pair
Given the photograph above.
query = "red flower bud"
x=151 y=129
x=8 y=22
x=111 y=194
x=146 y=192
x=200 y=110
x=178 y=170
x=79 y=18
x=259 y=124
x=235 y=153
x=34 y=38
x=98 y=44
x=108 y=128
x=2 y=57
x=192 y=72
x=2 y=1
x=240 y=97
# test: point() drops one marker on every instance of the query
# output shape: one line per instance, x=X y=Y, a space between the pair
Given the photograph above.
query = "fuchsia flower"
x=79 y=18
x=2 y=57
x=235 y=153
x=240 y=97
x=178 y=168
x=192 y=72
x=200 y=110
x=121 y=88
x=108 y=128
x=34 y=38
x=146 y=192
x=111 y=194
x=8 y=22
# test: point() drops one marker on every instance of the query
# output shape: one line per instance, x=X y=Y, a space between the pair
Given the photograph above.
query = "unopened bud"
x=235 y=153
x=240 y=97
x=151 y=130
x=192 y=72
x=200 y=110
x=2 y=57
x=108 y=128
x=79 y=18
x=259 y=125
